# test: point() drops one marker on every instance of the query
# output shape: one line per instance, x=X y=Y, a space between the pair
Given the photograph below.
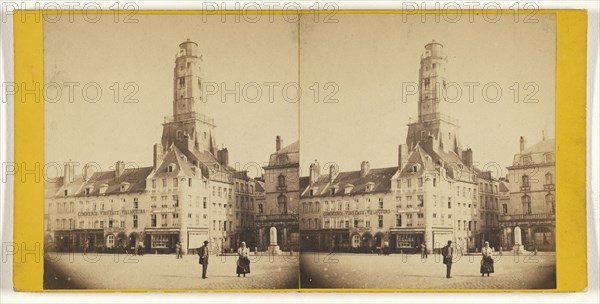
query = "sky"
x=140 y=58
x=370 y=57
x=359 y=65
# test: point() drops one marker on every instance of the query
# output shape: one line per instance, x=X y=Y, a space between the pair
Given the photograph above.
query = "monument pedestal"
x=274 y=250
x=519 y=249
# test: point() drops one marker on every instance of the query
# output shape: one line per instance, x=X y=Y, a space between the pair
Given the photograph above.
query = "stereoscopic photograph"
x=377 y=151
x=175 y=156
x=433 y=165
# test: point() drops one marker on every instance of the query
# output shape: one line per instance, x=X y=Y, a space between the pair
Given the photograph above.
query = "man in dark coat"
x=447 y=253
x=203 y=260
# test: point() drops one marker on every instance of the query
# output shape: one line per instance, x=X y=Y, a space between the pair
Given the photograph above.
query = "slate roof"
x=380 y=177
x=136 y=177
x=292 y=153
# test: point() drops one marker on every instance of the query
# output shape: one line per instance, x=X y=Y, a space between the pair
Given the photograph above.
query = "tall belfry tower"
x=434 y=121
x=190 y=128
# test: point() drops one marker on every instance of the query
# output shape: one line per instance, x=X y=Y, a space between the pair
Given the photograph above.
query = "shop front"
x=406 y=240
x=161 y=240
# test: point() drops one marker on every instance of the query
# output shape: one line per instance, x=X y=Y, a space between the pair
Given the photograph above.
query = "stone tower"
x=434 y=121
x=190 y=127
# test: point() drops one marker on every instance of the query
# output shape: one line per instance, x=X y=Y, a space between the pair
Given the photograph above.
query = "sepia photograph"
x=433 y=165
x=173 y=150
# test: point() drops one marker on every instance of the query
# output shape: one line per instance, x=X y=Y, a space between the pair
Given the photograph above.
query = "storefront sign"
x=111 y=212
x=357 y=212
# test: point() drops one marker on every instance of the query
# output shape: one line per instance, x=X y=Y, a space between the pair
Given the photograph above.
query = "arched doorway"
x=121 y=240
x=355 y=240
x=133 y=240
x=366 y=241
x=379 y=239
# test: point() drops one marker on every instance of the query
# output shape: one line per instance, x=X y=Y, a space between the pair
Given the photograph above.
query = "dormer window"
x=66 y=192
x=311 y=192
x=124 y=186
x=333 y=190
x=348 y=188
x=526 y=159
x=369 y=187
x=103 y=188
x=88 y=190
x=548 y=157
x=171 y=167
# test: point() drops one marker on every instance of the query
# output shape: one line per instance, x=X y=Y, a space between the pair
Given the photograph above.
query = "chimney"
x=158 y=155
x=523 y=143
x=69 y=173
x=467 y=157
x=278 y=141
x=402 y=155
x=314 y=172
x=223 y=157
x=364 y=168
x=333 y=172
x=119 y=169
x=88 y=173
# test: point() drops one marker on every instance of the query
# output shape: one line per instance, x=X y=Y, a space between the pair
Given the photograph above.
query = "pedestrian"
x=447 y=253
x=141 y=248
x=243 y=262
x=423 y=251
x=487 y=261
x=500 y=250
x=86 y=246
x=535 y=251
x=203 y=258
x=178 y=253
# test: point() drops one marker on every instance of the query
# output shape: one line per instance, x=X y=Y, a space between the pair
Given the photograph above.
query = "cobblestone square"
x=162 y=272
x=342 y=270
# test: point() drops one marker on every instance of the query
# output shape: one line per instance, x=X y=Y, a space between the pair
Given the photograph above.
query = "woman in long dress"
x=487 y=261
x=243 y=261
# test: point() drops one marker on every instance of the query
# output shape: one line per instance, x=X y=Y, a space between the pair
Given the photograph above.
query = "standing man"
x=178 y=251
x=447 y=253
x=203 y=254
x=423 y=251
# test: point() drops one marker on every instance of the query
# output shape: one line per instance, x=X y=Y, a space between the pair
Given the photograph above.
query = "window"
x=526 y=201
x=135 y=203
x=525 y=181
x=175 y=182
x=449 y=203
x=281 y=181
x=398 y=220
x=380 y=221
x=420 y=182
x=355 y=240
x=189 y=182
x=153 y=220
x=110 y=241
x=135 y=221
x=550 y=203
x=548 y=157
x=260 y=208
x=504 y=208
x=549 y=180
x=282 y=202
x=110 y=223
x=408 y=183
x=434 y=181
x=381 y=203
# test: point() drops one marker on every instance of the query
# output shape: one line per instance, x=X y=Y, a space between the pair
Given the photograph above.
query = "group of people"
x=242 y=263
x=487 y=261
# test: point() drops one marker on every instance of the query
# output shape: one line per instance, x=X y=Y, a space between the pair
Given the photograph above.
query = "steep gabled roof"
x=380 y=179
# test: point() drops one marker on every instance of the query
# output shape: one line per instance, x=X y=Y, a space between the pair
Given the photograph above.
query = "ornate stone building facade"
x=281 y=196
x=532 y=204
